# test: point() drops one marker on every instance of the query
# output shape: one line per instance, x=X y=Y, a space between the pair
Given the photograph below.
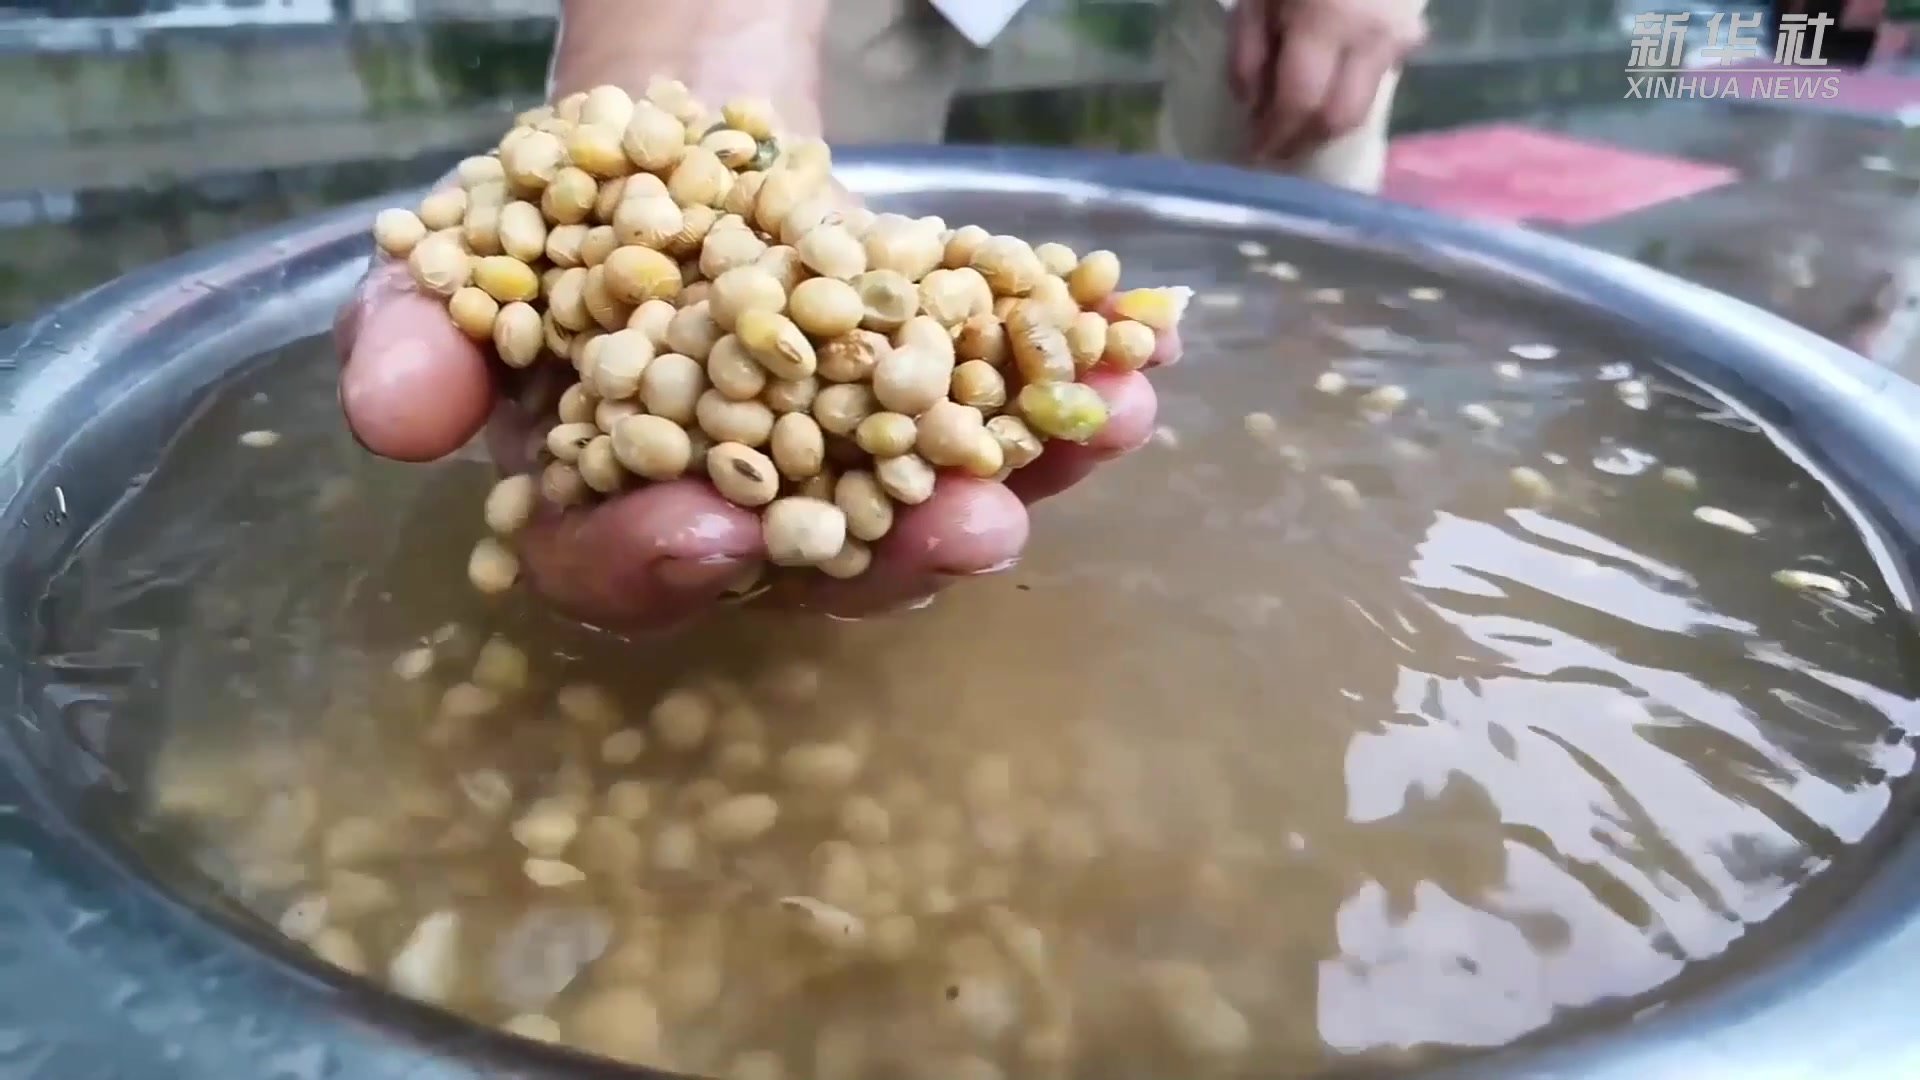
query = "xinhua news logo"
x=1733 y=61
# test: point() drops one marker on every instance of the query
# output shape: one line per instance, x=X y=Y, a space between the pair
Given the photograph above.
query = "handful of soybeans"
x=727 y=313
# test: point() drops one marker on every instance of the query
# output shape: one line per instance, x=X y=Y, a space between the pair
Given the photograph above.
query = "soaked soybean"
x=1326 y=746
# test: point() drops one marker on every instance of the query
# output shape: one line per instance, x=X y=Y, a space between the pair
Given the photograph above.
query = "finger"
x=1167 y=348
x=413 y=387
x=643 y=560
x=1350 y=99
x=1301 y=79
x=1247 y=61
x=384 y=277
x=1132 y=406
x=969 y=527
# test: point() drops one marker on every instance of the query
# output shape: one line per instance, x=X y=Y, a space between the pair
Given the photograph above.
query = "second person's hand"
x=1307 y=71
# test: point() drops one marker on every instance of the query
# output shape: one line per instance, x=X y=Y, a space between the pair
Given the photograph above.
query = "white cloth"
x=979 y=21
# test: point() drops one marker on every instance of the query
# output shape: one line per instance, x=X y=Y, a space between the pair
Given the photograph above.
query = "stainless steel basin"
x=112 y=966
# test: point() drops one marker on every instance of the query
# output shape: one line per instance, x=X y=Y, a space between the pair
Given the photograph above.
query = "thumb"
x=645 y=559
x=413 y=387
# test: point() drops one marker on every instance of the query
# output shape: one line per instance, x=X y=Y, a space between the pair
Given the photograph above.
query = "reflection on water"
x=1471 y=759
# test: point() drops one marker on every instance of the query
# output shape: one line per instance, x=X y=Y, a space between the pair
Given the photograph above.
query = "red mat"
x=1505 y=172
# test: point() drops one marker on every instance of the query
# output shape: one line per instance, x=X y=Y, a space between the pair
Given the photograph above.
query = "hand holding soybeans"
x=760 y=373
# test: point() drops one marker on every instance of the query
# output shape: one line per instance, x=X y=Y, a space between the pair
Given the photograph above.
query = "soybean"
x=777 y=343
x=979 y=384
x=1063 y=410
x=652 y=447
x=439 y=266
x=672 y=387
x=906 y=479
x=824 y=307
x=852 y=356
x=886 y=434
x=492 y=568
x=868 y=510
x=444 y=209
x=747 y=422
x=474 y=312
x=911 y=380
x=506 y=278
x=510 y=504
x=798 y=445
x=791 y=395
x=801 y=531
x=733 y=371
x=1129 y=345
x=743 y=475
x=723 y=311
x=397 y=231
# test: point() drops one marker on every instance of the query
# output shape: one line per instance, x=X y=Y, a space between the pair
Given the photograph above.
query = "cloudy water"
x=1430 y=679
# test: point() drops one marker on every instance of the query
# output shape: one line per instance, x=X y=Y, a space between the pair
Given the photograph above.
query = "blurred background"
x=140 y=128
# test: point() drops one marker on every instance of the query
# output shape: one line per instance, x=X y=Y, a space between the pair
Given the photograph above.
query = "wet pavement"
x=1821 y=226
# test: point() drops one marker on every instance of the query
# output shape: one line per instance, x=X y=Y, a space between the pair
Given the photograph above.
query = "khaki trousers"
x=892 y=68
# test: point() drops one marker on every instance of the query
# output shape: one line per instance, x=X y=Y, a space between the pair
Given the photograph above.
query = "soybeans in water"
x=1335 y=725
